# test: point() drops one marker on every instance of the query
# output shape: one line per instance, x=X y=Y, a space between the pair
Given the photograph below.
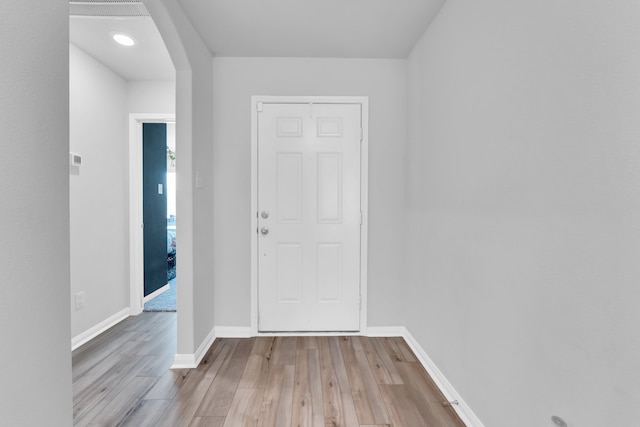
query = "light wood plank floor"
x=122 y=378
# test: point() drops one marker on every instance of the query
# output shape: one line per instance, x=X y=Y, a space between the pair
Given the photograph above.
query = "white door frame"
x=136 y=235
x=364 y=194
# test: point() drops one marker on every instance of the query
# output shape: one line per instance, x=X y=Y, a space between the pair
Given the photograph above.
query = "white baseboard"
x=184 y=361
x=385 y=331
x=191 y=361
x=301 y=334
x=93 y=332
x=462 y=409
x=156 y=293
x=233 y=331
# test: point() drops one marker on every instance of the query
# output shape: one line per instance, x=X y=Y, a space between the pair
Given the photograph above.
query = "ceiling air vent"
x=107 y=8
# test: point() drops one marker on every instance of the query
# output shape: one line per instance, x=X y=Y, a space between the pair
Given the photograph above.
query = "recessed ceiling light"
x=123 y=39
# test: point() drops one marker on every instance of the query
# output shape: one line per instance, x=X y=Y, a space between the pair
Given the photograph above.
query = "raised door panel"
x=329 y=280
x=329 y=193
x=289 y=272
x=289 y=188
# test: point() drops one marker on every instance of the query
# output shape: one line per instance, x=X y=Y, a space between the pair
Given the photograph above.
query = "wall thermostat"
x=75 y=159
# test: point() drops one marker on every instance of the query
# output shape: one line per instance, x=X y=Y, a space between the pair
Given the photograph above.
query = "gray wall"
x=194 y=149
x=34 y=253
x=523 y=233
x=235 y=81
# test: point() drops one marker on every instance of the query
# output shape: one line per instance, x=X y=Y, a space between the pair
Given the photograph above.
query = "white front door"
x=309 y=217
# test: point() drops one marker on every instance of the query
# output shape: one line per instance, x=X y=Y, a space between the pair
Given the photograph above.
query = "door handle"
x=264 y=231
x=265 y=214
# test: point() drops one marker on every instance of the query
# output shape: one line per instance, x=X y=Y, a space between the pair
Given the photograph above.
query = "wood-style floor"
x=122 y=378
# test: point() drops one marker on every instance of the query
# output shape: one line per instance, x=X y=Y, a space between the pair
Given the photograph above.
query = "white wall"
x=34 y=230
x=151 y=97
x=523 y=233
x=235 y=81
x=98 y=191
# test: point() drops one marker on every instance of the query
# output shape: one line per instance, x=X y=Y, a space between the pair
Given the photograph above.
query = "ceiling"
x=147 y=60
x=262 y=28
x=306 y=28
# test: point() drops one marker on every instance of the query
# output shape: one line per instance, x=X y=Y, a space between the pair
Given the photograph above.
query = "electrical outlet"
x=79 y=300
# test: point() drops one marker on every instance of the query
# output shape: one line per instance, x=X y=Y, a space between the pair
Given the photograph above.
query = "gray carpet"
x=165 y=301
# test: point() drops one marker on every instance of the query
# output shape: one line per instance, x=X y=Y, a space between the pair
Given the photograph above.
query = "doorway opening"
x=136 y=214
x=159 y=148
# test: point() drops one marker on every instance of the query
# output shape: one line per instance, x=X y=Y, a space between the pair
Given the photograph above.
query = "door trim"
x=364 y=193
x=136 y=237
